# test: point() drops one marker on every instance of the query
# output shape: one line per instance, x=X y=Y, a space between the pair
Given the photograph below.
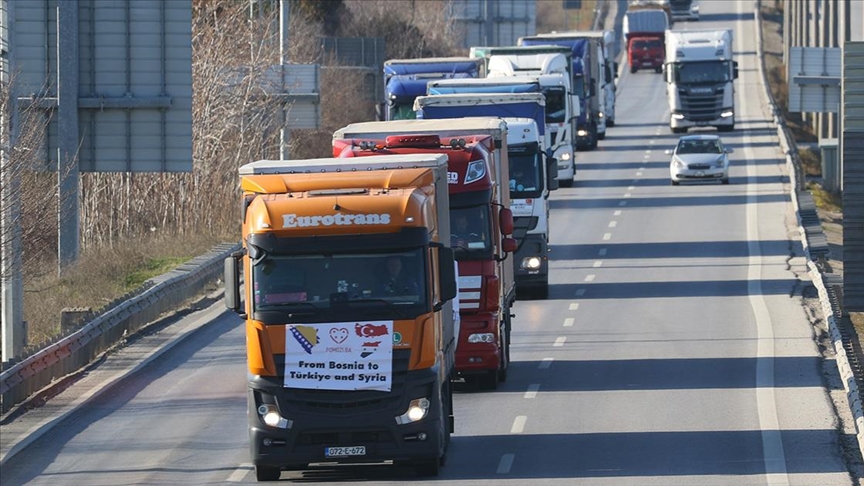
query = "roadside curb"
x=830 y=310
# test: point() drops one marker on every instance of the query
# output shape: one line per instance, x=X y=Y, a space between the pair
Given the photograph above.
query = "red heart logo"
x=339 y=334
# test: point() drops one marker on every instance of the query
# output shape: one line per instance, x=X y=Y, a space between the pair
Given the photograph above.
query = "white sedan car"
x=699 y=157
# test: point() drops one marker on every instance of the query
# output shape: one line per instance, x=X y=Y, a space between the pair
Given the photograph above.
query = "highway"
x=674 y=347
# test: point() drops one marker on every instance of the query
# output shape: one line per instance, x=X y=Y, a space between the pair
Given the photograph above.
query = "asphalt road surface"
x=673 y=348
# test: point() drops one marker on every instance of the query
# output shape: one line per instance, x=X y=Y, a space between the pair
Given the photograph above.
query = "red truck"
x=646 y=51
x=481 y=223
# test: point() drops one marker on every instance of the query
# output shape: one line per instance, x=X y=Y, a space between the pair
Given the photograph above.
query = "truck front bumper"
x=531 y=262
x=309 y=428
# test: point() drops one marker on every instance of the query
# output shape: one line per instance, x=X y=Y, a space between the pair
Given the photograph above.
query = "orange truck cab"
x=481 y=225
x=348 y=362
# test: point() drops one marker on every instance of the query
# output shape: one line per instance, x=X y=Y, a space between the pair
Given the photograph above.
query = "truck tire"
x=489 y=380
x=610 y=123
x=633 y=70
x=267 y=473
x=658 y=70
x=726 y=128
x=678 y=129
x=566 y=182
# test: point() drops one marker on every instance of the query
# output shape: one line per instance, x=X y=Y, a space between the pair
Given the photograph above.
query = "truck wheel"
x=633 y=70
x=658 y=70
x=566 y=182
x=610 y=123
x=488 y=381
x=726 y=128
x=601 y=136
x=267 y=473
x=678 y=129
x=543 y=291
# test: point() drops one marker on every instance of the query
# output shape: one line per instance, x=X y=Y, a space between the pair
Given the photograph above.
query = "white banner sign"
x=339 y=356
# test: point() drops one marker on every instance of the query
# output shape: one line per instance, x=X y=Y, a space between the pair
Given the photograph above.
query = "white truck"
x=699 y=73
x=529 y=189
x=559 y=108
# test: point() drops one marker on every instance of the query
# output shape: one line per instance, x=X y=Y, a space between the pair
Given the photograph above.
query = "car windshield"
x=303 y=283
x=699 y=147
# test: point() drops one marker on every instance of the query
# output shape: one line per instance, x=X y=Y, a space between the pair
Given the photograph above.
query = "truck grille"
x=338 y=402
x=702 y=107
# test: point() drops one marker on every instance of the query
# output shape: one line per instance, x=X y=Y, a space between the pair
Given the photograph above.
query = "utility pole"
x=284 y=132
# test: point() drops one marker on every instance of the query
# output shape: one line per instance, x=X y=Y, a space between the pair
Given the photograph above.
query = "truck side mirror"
x=232 y=283
x=505 y=221
x=552 y=173
x=509 y=245
x=380 y=111
x=615 y=74
x=447 y=273
x=734 y=69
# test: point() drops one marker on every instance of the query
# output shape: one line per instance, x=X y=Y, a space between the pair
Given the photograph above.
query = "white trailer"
x=699 y=74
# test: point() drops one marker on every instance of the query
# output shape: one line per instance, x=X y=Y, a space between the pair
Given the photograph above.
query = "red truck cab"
x=485 y=279
x=646 y=51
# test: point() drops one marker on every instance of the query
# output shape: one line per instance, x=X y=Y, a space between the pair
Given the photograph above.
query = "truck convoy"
x=699 y=73
x=529 y=191
x=543 y=61
x=405 y=79
x=590 y=123
x=644 y=33
x=559 y=122
x=481 y=220
x=342 y=368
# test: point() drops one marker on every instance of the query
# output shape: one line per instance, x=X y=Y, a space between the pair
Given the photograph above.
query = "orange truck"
x=348 y=362
x=478 y=177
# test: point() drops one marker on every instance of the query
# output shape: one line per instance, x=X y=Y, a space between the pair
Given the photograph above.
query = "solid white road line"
x=766 y=402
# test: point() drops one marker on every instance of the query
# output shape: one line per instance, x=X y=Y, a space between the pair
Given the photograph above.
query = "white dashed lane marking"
x=505 y=464
x=518 y=424
x=560 y=341
x=532 y=390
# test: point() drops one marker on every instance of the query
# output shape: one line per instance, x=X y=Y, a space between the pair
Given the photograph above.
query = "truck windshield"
x=310 y=284
x=579 y=85
x=402 y=111
x=471 y=233
x=556 y=105
x=701 y=72
x=526 y=175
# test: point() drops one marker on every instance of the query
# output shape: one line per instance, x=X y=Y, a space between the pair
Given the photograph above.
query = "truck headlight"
x=677 y=116
x=531 y=263
x=582 y=132
x=564 y=156
x=601 y=114
x=727 y=113
x=270 y=416
x=483 y=337
x=417 y=409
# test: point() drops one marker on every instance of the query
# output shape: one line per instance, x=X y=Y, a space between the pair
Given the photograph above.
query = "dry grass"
x=102 y=275
x=811 y=161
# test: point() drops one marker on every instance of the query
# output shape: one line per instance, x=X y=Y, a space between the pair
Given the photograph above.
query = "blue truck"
x=406 y=79
x=590 y=123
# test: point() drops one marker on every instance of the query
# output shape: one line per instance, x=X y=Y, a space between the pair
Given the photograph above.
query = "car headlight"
x=719 y=163
x=678 y=164
x=417 y=409
x=531 y=263
x=482 y=337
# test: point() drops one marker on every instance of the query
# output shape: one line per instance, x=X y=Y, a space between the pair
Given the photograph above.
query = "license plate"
x=344 y=451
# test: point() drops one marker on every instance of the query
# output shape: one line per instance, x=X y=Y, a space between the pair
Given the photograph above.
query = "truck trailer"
x=405 y=79
x=699 y=74
x=591 y=121
x=342 y=368
x=481 y=221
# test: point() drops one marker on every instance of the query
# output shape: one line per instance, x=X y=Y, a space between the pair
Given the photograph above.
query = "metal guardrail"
x=816 y=249
x=168 y=292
